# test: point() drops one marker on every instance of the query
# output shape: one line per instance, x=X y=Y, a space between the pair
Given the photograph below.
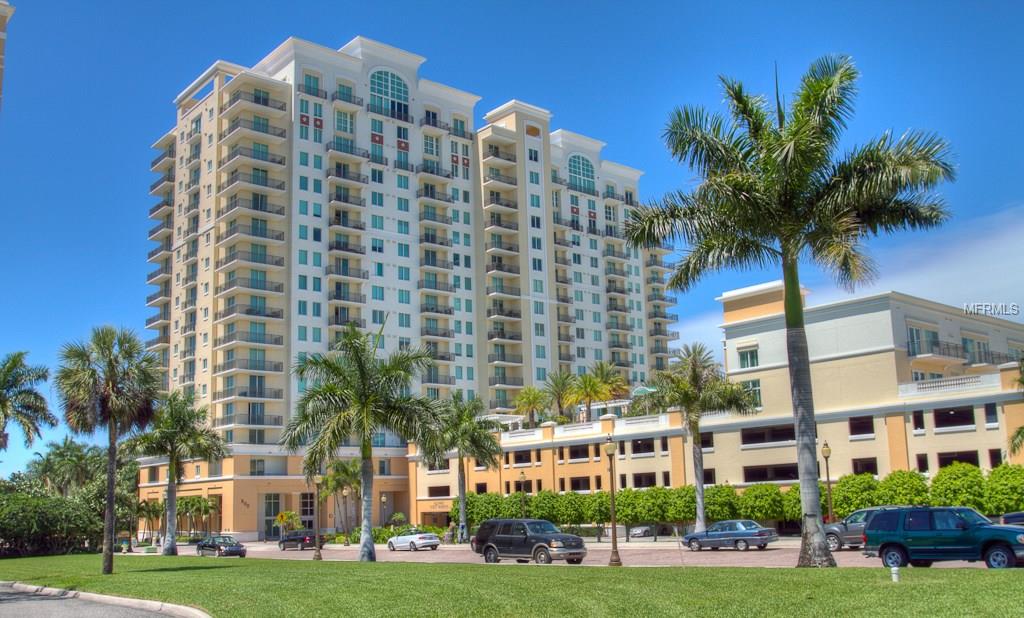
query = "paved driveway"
x=26 y=605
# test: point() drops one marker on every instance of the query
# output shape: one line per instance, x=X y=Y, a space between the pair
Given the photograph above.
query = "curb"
x=152 y=606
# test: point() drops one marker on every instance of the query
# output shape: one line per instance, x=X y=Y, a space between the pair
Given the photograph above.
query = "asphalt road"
x=27 y=605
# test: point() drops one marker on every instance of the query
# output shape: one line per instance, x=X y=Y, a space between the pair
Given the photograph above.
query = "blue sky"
x=88 y=86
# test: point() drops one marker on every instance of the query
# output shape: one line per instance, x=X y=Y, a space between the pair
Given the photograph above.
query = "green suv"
x=921 y=535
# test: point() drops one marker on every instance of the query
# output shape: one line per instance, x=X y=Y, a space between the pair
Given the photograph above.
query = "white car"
x=414 y=540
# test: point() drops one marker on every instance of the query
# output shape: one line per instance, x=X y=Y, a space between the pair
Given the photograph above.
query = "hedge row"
x=959 y=484
x=36 y=525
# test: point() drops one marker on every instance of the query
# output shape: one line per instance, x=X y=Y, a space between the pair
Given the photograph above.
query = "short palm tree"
x=695 y=386
x=533 y=403
x=1017 y=440
x=463 y=430
x=561 y=388
x=108 y=382
x=342 y=475
x=150 y=510
x=20 y=399
x=287 y=520
x=353 y=392
x=774 y=190
x=179 y=433
x=588 y=389
x=607 y=373
x=69 y=465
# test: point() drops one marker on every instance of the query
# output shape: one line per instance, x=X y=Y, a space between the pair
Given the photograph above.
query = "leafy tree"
x=682 y=505
x=721 y=502
x=761 y=502
x=20 y=400
x=1004 y=489
x=545 y=505
x=792 y=506
x=853 y=492
x=902 y=487
x=774 y=191
x=351 y=391
x=32 y=524
x=150 y=511
x=588 y=389
x=533 y=403
x=611 y=377
x=67 y=465
x=109 y=382
x=627 y=508
x=486 y=506
x=287 y=520
x=561 y=389
x=515 y=505
x=959 y=484
x=342 y=475
x=597 y=508
x=571 y=509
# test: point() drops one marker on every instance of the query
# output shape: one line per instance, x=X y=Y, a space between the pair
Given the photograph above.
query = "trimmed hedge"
x=33 y=525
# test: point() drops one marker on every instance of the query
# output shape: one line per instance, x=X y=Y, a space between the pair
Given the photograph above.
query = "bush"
x=571 y=509
x=761 y=502
x=597 y=507
x=720 y=502
x=545 y=505
x=791 y=508
x=853 y=492
x=959 y=484
x=1004 y=490
x=38 y=525
x=902 y=487
x=682 y=504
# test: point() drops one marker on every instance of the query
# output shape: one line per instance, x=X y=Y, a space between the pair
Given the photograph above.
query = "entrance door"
x=271 y=507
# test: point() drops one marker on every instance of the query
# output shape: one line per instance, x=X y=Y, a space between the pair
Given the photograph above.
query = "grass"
x=232 y=587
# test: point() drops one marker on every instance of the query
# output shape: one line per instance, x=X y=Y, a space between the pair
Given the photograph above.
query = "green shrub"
x=571 y=509
x=545 y=505
x=720 y=502
x=596 y=508
x=1004 y=489
x=36 y=525
x=959 y=484
x=761 y=502
x=791 y=508
x=853 y=492
x=902 y=487
x=682 y=504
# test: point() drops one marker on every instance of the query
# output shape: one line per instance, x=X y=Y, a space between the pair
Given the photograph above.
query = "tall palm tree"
x=1017 y=440
x=108 y=383
x=462 y=429
x=532 y=402
x=353 y=392
x=179 y=433
x=589 y=388
x=20 y=399
x=612 y=378
x=73 y=464
x=560 y=387
x=775 y=190
x=342 y=474
x=695 y=386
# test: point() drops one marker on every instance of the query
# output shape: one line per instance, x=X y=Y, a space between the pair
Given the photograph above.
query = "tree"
x=721 y=502
x=959 y=484
x=588 y=389
x=353 y=392
x=611 y=377
x=20 y=399
x=774 y=190
x=109 y=382
x=682 y=504
x=761 y=502
x=853 y=492
x=1004 y=489
x=561 y=388
x=571 y=509
x=902 y=487
x=532 y=403
x=1017 y=439
x=696 y=386
x=546 y=505
x=67 y=465
x=597 y=510
x=792 y=507
x=179 y=433
x=150 y=511
x=287 y=520
x=342 y=474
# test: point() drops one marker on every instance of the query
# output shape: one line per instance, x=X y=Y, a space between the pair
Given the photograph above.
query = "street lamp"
x=344 y=514
x=383 y=506
x=609 y=450
x=826 y=452
x=522 y=493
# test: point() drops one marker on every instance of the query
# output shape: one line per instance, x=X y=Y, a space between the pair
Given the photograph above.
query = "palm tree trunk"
x=171 y=534
x=336 y=513
x=813 y=548
x=698 y=477
x=316 y=522
x=463 y=527
x=367 y=553
x=108 y=510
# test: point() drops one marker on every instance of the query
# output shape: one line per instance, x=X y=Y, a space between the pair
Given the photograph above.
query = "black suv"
x=526 y=539
x=299 y=539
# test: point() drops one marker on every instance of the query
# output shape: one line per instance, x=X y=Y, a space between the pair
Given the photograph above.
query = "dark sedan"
x=1014 y=519
x=300 y=539
x=740 y=534
x=220 y=545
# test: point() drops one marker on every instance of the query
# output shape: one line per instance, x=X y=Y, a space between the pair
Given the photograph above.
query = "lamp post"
x=826 y=452
x=383 y=506
x=609 y=450
x=344 y=514
x=316 y=520
x=522 y=493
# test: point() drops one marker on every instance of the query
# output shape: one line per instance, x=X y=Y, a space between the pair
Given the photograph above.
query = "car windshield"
x=972 y=517
x=542 y=527
x=748 y=525
x=224 y=540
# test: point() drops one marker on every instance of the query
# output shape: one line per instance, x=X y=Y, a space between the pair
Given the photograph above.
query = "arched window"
x=581 y=172
x=389 y=94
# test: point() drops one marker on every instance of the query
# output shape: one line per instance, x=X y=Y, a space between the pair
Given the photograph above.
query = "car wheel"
x=894 y=556
x=491 y=555
x=833 y=541
x=695 y=545
x=199 y=551
x=542 y=556
x=575 y=560
x=715 y=548
x=742 y=545
x=280 y=546
x=763 y=546
x=922 y=564
x=391 y=546
x=1000 y=557
x=433 y=548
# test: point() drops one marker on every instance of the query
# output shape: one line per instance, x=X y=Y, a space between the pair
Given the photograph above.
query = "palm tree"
x=560 y=387
x=775 y=190
x=695 y=387
x=287 y=520
x=589 y=388
x=462 y=429
x=70 y=464
x=179 y=433
x=150 y=511
x=109 y=382
x=20 y=400
x=612 y=378
x=352 y=392
x=204 y=510
x=1017 y=440
x=342 y=474
x=532 y=402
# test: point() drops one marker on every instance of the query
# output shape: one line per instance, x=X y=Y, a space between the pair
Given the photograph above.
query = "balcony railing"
x=249 y=364
x=341 y=270
x=504 y=312
x=662 y=315
x=249 y=419
x=432 y=121
x=464 y=134
x=501 y=154
x=347 y=97
x=440 y=286
x=440 y=196
x=617 y=325
x=161 y=340
x=502 y=267
x=582 y=188
x=251 y=284
x=244 y=123
x=345 y=321
x=345 y=147
x=252 y=258
x=439 y=355
x=501 y=404
x=615 y=272
x=344 y=174
x=615 y=289
x=502 y=223
x=437 y=378
x=313 y=92
x=568 y=318
x=431 y=239
x=434 y=169
x=505 y=334
x=516 y=359
x=243 y=95
x=252 y=311
x=433 y=217
x=619 y=307
x=253 y=179
x=660 y=350
x=255 y=232
x=612 y=195
x=163 y=316
x=436 y=263
x=258 y=206
x=250 y=393
x=390 y=113
x=619 y=345
x=612 y=252
x=502 y=246
x=345 y=296
x=164 y=154
x=168 y=177
x=657 y=297
x=434 y=331
x=348 y=247
x=249 y=153
x=949 y=349
x=163 y=247
x=951 y=385
x=346 y=198
x=500 y=201
x=353 y=224
x=164 y=203
x=405 y=166
x=507 y=290
x=495 y=176
x=504 y=381
x=249 y=337
x=438 y=309
x=566 y=357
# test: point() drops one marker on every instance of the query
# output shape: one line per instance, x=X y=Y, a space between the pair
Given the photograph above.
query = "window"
x=257 y=467
x=438 y=491
x=970 y=457
x=767 y=435
x=918 y=520
x=709 y=476
x=645 y=479
x=868 y=465
x=862 y=426
x=922 y=462
x=946 y=520
x=885 y=521
x=918 y=420
x=581 y=173
x=778 y=472
x=664 y=444
x=579 y=451
x=481 y=488
x=666 y=478
x=754 y=388
x=748 y=358
x=707 y=439
x=954 y=417
x=579 y=483
x=642 y=447
x=522 y=457
x=995 y=457
x=153 y=474
x=991 y=414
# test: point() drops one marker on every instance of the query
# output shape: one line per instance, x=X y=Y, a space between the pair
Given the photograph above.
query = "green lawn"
x=232 y=587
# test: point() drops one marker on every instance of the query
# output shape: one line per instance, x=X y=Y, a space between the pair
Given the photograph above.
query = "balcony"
x=249 y=337
x=566 y=357
x=435 y=264
x=501 y=267
x=346 y=222
x=659 y=297
x=500 y=204
x=505 y=291
x=187 y=353
x=562 y=261
x=431 y=194
x=504 y=312
x=346 y=272
x=433 y=217
x=249 y=311
x=242 y=152
x=955 y=384
x=346 y=150
x=243 y=98
x=504 y=335
x=256 y=420
x=236 y=229
x=313 y=92
x=166 y=155
x=506 y=359
x=611 y=271
x=612 y=252
x=502 y=247
x=617 y=308
x=582 y=189
x=437 y=286
x=161 y=229
x=613 y=288
x=957 y=352
x=432 y=122
x=347 y=247
x=461 y=133
x=565 y=317
x=619 y=345
x=662 y=315
x=247 y=364
x=432 y=239
x=405 y=166
x=239 y=126
x=496 y=180
x=437 y=309
x=251 y=258
x=562 y=241
x=655 y=280
x=344 y=296
x=565 y=299
x=437 y=332
x=618 y=325
x=156 y=320
x=158 y=275
x=659 y=350
x=245 y=392
x=260 y=206
x=343 y=198
x=251 y=284
x=437 y=378
x=613 y=196
x=663 y=332
x=497 y=224
x=390 y=113
x=621 y=362
x=159 y=251
x=658 y=263
x=504 y=381
x=346 y=99
x=441 y=356
x=562 y=278
x=164 y=183
x=566 y=337
x=160 y=341
x=344 y=321
x=558 y=180
x=161 y=294
x=255 y=180
x=343 y=175
x=501 y=405
x=161 y=208
x=497 y=156
x=434 y=169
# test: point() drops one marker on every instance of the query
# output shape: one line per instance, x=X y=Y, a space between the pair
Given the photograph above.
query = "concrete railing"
x=950 y=385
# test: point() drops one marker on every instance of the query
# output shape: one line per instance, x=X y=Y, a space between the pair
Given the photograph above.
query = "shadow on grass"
x=174 y=569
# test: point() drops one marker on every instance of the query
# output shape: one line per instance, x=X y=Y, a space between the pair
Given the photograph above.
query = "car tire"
x=280 y=546
x=412 y=546
x=491 y=556
x=742 y=545
x=574 y=560
x=199 y=551
x=302 y=547
x=542 y=556
x=1000 y=557
x=834 y=542
x=893 y=556
x=433 y=548
x=921 y=564
x=695 y=545
x=763 y=546
x=715 y=548
x=391 y=546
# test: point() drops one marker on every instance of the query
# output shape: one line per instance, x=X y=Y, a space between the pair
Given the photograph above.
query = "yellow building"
x=6 y=11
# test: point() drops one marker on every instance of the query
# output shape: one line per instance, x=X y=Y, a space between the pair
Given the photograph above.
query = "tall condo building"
x=324 y=188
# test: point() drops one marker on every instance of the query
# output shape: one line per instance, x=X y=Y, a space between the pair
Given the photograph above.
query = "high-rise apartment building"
x=6 y=11
x=322 y=188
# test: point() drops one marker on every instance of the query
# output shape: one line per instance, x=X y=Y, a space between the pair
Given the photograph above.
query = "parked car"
x=220 y=545
x=920 y=536
x=527 y=539
x=849 y=531
x=1015 y=519
x=414 y=540
x=641 y=532
x=737 y=533
x=299 y=539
